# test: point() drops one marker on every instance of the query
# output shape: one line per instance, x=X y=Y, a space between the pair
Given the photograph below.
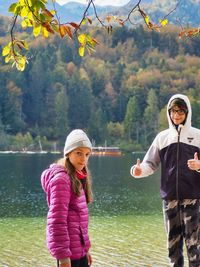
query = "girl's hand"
x=89 y=258
x=65 y=263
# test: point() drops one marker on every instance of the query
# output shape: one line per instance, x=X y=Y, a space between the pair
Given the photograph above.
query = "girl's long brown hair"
x=76 y=183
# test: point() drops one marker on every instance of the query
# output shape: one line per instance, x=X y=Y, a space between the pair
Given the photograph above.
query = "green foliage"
x=35 y=15
x=61 y=110
x=21 y=142
x=151 y=115
x=113 y=95
x=132 y=123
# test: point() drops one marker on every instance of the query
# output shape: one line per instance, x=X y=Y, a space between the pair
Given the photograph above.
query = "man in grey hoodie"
x=177 y=149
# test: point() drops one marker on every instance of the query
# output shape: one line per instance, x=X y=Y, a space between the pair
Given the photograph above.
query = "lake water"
x=126 y=225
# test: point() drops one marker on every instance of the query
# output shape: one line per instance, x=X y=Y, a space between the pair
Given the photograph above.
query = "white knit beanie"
x=76 y=138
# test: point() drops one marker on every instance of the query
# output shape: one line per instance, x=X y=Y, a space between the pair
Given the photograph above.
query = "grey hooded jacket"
x=172 y=148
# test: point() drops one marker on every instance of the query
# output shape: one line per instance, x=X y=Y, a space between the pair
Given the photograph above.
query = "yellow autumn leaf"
x=22 y=2
x=25 y=45
x=6 y=50
x=7 y=59
x=53 y=12
x=82 y=39
x=83 y=21
x=30 y=3
x=24 y=24
x=147 y=19
x=36 y=30
x=164 y=22
x=21 y=63
x=24 y=12
x=30 y=15
x=81 y=51
x=28 y=23
x=45 y=32
x=62 y=30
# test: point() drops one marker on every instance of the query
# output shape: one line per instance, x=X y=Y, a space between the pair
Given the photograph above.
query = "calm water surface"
x=126 y=225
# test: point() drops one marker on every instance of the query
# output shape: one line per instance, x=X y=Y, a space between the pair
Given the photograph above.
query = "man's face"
x=177 y=115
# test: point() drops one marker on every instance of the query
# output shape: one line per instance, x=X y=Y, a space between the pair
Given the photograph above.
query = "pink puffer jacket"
x=67 y=219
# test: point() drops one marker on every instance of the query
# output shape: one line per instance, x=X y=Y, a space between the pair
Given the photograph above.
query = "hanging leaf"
x=7 y=59
x=81 y=51
x=146 y=18
x=6 y=50
x=83 y=21
x=12 y=7
x=164 y=22
x=21 y=63
x=24 y=12
x=24 y=24
x=82 y=39
x=68 y=31
x=48 y=13
x=37 y=30
x=89 y=20
x=45 y=32
x=76 y=26
x=108 y=19
x=62 y=30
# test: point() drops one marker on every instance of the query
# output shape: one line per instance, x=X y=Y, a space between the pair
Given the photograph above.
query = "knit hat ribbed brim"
x=76 y=138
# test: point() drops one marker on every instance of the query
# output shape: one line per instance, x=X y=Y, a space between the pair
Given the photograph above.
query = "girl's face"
x=79 y=157
x=177 y=115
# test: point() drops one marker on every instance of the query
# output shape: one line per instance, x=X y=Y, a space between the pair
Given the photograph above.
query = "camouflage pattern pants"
x=182 y=222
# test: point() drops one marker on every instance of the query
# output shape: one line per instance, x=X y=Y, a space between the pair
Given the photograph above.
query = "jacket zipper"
x=177 y=162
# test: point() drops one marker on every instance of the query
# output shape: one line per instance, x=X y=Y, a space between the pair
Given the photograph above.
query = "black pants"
x=82 y=262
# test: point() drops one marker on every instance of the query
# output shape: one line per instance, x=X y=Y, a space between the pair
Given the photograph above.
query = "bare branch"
x=133 y=9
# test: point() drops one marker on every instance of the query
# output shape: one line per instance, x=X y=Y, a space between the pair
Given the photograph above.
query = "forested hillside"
x=118 y=95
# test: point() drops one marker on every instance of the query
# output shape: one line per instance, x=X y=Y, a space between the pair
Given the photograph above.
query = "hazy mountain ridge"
x=186 y=12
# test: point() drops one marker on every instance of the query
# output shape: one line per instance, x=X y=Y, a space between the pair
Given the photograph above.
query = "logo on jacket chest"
x=190 y=139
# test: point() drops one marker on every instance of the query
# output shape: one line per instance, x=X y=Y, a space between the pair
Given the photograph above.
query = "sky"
x=97 y=2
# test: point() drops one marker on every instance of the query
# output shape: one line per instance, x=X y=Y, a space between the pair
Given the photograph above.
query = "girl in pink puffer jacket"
x=68 y=191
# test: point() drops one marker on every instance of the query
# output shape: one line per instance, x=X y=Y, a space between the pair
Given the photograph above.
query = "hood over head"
x=183 y=102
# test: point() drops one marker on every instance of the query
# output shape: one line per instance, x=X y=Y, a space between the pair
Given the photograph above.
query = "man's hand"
x=137 y=170
x=194 y=164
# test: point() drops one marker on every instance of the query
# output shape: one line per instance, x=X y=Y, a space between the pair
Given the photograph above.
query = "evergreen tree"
x=132 y=120
x=80 y=100
x=61 y=107
x=151 y=116
x=97 y=127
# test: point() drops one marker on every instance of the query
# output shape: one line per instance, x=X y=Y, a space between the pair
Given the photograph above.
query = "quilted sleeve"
x=59 y=193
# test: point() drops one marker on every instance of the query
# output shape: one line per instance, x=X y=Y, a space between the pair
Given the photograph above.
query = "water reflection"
x=115 y=192
x=126 y=225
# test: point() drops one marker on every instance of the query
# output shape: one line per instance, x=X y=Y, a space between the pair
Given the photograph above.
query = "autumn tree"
x=35 y=15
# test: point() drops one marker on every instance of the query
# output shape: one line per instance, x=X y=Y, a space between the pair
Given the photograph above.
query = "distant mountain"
x=61 y=10
x=187 y=11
